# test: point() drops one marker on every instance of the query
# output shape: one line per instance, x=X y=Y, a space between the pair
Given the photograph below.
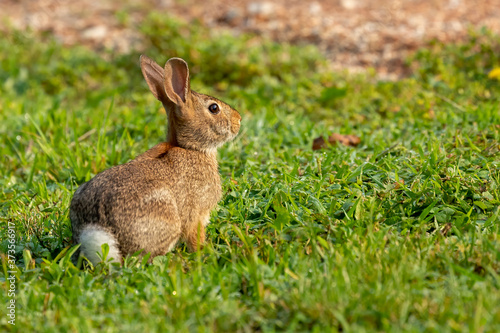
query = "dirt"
x=353 y=34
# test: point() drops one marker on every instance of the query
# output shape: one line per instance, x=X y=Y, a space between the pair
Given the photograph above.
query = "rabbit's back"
x=146 y=203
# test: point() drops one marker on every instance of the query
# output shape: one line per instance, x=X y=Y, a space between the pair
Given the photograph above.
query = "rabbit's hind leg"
x=157 y=231
x=166 y=239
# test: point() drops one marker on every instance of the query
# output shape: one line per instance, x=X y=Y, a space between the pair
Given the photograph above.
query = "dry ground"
x=354 y=34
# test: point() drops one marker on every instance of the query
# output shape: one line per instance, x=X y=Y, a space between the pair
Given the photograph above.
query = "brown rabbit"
x=166 y=194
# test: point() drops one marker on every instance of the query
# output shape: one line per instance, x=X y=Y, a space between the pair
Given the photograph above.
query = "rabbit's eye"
x=214 y=108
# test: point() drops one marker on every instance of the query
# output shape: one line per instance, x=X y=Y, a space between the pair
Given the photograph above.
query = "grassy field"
x=400 y=233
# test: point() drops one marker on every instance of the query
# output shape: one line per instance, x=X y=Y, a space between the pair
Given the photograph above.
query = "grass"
x=400 y=233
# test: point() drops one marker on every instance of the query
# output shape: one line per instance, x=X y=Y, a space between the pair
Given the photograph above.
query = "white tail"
x=92 y=238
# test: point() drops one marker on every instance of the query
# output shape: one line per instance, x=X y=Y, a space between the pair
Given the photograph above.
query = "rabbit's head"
x=195 y=121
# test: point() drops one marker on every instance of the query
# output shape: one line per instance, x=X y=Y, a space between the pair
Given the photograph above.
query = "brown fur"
x=166 y=193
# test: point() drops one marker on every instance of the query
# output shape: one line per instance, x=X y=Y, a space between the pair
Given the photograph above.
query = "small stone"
x=261 y=8
x=454 y=3
x=349 y=4
x=95 y=32
x=232 y=15
x=315 y=8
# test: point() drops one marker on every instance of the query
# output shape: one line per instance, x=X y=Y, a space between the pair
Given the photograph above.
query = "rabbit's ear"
x=177 y=80
x=154 y=75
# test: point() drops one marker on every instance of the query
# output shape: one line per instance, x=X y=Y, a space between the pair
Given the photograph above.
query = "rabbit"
x=164 y=195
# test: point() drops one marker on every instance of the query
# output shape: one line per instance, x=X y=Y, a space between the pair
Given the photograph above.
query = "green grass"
x=398 y=234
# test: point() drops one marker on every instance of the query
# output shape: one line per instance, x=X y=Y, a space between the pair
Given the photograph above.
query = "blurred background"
x=352 y=34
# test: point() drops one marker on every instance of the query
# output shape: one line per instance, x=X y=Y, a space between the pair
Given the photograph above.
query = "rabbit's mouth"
x=235 y=127
x=233 y=135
